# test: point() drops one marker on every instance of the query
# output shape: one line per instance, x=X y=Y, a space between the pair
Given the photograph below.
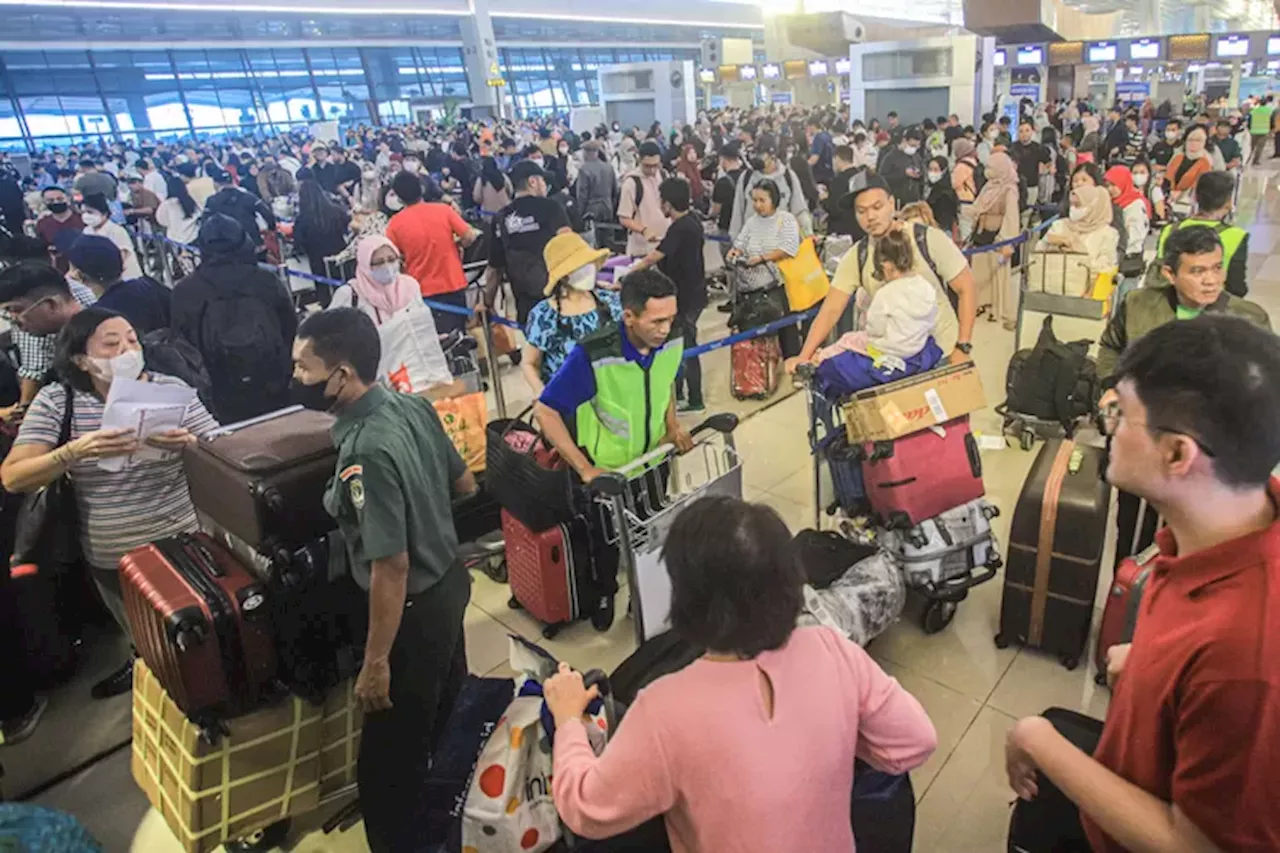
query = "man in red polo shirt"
x=427 y=233
x=1189 y=756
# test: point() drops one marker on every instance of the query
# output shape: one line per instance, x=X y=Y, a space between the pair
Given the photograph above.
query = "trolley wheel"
x=550 y=631
x=496 y=570
x=938 y=615
x=1027 y=439
x=1070 y=662
x=267 y=838
x=1002 y=642
x=1100 y=678
x=514 y=603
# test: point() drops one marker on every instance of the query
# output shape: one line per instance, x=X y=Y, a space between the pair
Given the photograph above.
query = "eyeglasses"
x=1110 y=415
x=17 y=318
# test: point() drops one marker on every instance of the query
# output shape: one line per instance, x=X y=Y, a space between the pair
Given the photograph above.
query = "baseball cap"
x=526 y=169
x=874 y=182
x=96 y=257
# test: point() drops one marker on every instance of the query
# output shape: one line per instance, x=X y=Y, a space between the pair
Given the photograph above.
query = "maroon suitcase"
x=200 y=620
x=1120 y=615
x=922 y=475
x=547 y=570
x=755 y=368
x=263 y=480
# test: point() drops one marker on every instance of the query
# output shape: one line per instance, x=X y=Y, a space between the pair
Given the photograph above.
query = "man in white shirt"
x=152 y=179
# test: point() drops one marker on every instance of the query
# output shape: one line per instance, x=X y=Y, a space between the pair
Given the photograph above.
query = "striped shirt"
x=36 y=351
x=119 y=510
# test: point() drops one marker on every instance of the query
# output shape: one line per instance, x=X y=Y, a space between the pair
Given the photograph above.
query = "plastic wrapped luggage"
x=201 y=620
x=922 y=475
x=1055 y=552
x=862 y=603
x=263 y=480
x=1120 y=614
x=549 y=572
x=756 y=368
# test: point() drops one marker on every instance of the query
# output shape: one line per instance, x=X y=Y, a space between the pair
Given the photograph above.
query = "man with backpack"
x=241 y=320
x=1214 y=192
x=521 y=230
x=639 y=205
x=766 y=165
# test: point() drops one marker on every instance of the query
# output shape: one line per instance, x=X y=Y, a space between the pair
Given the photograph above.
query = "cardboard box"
x=340 y=740
x=915 y=403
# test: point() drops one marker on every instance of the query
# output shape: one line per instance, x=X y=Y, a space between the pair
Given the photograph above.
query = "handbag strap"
x=68 y=412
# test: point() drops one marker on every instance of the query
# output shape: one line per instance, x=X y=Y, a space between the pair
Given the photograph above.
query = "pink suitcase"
x=548 y=570
x=922 y=475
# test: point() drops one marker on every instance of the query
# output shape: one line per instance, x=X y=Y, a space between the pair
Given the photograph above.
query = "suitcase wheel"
x=549 y=632
x=938 y=615
x=268 y=838
x=1071 y=662
x=1002 y=642
x=1027 y=439
x=514 y=603
x=1100 y=678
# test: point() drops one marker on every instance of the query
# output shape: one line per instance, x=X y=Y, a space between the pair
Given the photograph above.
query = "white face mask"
x=385 y=274
x=910 y=150
x=92 y=219
x=1079 y=212
x=1140 y=180
x=126 y=365
x=1171 y=137
x=412 y=167
x=369 y=174
x=583 y=278
x=393 y=202
x=934 y=177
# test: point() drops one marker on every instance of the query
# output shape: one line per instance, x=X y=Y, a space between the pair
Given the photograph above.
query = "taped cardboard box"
x=267 y=769
x=915 y=403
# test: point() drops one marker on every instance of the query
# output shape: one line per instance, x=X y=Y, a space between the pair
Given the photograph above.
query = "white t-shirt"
x=116 y=234
x=902 y=316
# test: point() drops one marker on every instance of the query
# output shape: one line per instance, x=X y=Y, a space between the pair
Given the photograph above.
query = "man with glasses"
x=639 y=204
x=1193 y=265
x=1186 y=759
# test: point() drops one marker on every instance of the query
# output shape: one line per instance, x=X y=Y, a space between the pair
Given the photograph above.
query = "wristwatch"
x=967 y=349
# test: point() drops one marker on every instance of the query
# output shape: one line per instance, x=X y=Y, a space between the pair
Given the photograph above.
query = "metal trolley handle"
x=612 y=483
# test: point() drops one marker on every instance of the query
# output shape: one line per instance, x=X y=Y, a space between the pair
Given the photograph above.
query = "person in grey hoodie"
x=766 y=165
x=597 y=184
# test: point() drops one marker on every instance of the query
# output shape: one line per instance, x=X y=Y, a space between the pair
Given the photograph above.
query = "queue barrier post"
x=491 y=365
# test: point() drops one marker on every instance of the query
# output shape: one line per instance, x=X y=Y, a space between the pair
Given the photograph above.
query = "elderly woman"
x=766 y=238
x=1185 y=169
x=996 y=219
x=122 y=509
x=736 y=592
x=1087 y=229
x=574 y=308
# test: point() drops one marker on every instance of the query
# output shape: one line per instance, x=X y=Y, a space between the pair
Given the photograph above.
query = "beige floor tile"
x=771 y=452
x=486 y=640
x=797 y=516
x=951 y=712
x=1037 y=681
x=579 y=644
x=966 y=809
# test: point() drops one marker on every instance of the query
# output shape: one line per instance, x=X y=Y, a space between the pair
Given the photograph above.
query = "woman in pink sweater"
x=751 y=747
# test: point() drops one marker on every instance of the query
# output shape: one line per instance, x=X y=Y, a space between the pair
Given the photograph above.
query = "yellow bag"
x=1104 y=287
x=464 y=419
x=803 y=278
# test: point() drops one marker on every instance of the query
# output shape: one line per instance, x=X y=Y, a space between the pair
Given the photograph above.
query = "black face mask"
x=57 y=206
x=311 y=397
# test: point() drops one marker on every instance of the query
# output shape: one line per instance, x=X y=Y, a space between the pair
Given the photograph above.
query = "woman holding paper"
x=144 y=497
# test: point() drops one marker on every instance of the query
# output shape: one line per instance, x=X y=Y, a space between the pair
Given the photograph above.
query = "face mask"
x=92 y=219
x=934 y=177
x=126 y=365
x=584 y=278
x=1195 y=155
x=537 y=161
x=58 y=206
x=412 y=167
x=311 y=397
x=1079 y=212
x=370 y=174
x=910 y=150
x=1140 y=180
x=1171 y=137
x=385 y=274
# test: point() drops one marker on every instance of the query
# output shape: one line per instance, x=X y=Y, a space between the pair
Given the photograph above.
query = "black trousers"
x=689 y=379
x=1051 y=823
x=648 y=492
x=428 y=667
x=17 y=695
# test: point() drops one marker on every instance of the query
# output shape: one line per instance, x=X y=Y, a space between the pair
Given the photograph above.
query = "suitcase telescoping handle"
x=219 y=432
x=613 y=482
x=975 y=456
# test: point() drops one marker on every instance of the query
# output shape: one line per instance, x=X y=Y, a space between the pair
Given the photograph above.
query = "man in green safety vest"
x=613 y=400
x=1261 y=119
x=1214 y=192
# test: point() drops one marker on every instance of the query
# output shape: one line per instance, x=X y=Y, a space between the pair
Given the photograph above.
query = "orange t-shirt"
x=424 y=233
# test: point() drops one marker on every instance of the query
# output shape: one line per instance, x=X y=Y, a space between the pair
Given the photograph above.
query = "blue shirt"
x=555 y=334
x=575 y=383
x=825 y=149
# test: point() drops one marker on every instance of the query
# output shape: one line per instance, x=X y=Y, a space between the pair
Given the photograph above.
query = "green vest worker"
x=396 y=475
x=612 y=401
x=1214 y=192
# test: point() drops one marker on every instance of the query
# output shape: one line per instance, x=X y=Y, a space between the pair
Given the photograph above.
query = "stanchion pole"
x=1024 y=278
x=495 y=379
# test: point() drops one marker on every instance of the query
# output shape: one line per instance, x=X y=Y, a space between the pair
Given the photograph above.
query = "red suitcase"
x=755 y=367
x=1120 y=615
x=920 y=476
x=200 y=620
x=547 y=570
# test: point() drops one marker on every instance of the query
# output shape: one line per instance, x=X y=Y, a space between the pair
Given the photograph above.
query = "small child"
x=896 y=340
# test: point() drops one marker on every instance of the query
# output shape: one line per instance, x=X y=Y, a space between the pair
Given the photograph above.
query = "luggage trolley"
x=640 y=500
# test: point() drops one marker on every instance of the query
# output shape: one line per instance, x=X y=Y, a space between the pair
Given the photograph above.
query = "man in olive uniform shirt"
x=396 y=475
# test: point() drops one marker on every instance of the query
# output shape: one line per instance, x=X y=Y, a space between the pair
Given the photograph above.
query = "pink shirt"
x=699 y=747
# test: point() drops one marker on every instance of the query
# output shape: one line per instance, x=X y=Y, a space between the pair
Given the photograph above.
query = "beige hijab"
x=1097 y=204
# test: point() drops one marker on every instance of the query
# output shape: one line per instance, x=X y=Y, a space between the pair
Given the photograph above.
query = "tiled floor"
x=972 y=690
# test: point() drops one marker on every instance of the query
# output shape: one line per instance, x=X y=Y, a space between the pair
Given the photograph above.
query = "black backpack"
x=246 y=356
x=979 y=176
x=1053 y=381
x=171 y=355
x=826 y=555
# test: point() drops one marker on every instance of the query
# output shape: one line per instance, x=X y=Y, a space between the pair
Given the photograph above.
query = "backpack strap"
x=921 y=234
x=639 y=191
x=864 y=249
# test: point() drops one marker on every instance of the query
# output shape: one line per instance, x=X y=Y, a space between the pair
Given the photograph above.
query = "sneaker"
x=602 y=619
x=725 y=307
x=684 y=407
x=118 y=682
x=20 y=728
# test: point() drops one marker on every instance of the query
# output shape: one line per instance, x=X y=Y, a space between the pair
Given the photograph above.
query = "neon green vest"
x=627 y=416
x=1260 y=119
x=1230 y=235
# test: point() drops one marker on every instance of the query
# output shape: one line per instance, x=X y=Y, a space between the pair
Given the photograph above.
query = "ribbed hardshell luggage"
x=948 y=547
x=1120 y=614
x=1055 y=552
x=755 y=368
x=263 y=480
x=201 y=621
x=547 y=570
x=922 y=475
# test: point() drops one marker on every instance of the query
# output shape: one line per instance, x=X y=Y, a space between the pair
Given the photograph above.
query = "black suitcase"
x=1051 y=823
x=1055 y=552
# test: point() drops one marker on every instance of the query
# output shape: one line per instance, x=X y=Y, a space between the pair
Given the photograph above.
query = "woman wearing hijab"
x=687 y=166
x=1137 y=217
x=1087 y=149
x=1185 y=169
x=1086 y=229
x=965 y=183
x=995 y=219
x=493 y=189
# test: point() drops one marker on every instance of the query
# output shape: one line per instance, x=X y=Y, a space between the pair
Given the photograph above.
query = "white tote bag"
x=412 y=360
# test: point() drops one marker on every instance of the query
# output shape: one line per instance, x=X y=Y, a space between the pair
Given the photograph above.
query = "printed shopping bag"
x=464 y=420
x=803 y=278
x=412 y=360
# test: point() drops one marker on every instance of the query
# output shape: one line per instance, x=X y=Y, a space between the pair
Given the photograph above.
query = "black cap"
x=872 y=182
x=524 y=170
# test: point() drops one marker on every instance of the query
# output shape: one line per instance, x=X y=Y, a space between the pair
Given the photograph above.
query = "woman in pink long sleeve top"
x=750 y=748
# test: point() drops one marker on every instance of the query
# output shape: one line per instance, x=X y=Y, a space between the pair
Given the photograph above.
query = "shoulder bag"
x=48 y=526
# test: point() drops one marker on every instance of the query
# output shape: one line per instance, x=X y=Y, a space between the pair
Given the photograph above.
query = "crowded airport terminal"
x=402 y=405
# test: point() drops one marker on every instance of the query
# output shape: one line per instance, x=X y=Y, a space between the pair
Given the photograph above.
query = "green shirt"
x=393 y=487
x=1182 y=312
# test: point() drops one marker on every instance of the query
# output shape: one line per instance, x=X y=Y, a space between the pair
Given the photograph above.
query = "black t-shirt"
x=520 y=232
x=1029 y=157
x=682 y=262
x=327 y=176
x=344 y=173
x=722 y=194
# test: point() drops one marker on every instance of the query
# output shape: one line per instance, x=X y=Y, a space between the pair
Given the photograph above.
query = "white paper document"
x=145 y=408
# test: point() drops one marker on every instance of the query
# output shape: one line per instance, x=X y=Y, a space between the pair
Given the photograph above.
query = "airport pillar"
x=480 y=56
